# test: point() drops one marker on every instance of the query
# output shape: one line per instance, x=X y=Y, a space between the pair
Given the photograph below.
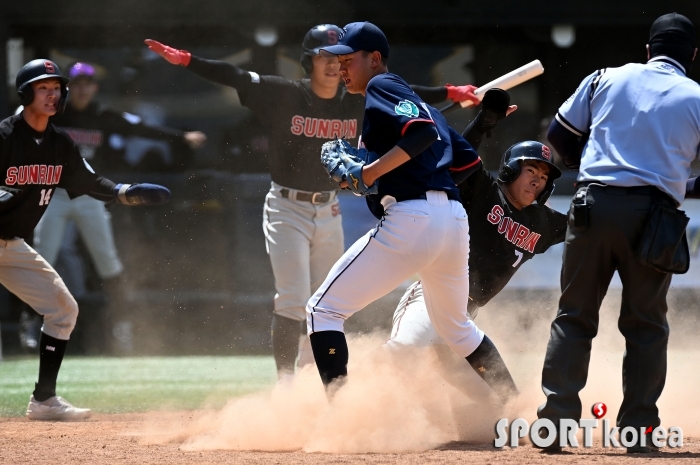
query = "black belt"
x=313 y=197
x=633 y=190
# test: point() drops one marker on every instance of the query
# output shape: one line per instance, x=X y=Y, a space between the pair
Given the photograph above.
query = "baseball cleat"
x=55 y=409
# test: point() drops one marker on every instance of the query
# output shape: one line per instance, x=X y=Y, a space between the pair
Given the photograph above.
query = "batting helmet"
x=318 y=37
x=510 y=167
x=36 y=70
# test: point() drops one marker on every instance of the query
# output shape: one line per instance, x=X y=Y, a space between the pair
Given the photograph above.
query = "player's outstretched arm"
x=458 y=94
x=216 y=71
x=141 y=194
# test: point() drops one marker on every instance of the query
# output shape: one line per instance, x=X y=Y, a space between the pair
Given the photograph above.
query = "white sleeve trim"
x=567 y=126
x=254 y=77
x=121 y=195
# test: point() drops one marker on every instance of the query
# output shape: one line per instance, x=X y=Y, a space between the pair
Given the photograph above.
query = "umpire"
x=634 y=130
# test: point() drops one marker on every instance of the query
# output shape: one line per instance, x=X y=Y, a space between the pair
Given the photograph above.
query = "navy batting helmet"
x=318 y=37
x=510 y=167
x=36 y=70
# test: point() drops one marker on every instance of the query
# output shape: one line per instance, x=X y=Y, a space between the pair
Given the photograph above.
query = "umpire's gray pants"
x=27 y=275
x=591 y=256
x=304 y=241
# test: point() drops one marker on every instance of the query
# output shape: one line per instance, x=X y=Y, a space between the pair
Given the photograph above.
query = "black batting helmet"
x=36 y=70
x=318 y=37
x=510 y=167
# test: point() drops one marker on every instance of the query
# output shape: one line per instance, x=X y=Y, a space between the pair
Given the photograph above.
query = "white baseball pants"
x=28 y=276
x=93 y=223
x=412 y=328
x=429 y=237
x=303 y=241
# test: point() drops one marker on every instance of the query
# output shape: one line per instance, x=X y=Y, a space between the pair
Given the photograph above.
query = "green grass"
x=118 y=385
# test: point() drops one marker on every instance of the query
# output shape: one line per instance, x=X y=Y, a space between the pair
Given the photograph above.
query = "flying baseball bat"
x=505 y=82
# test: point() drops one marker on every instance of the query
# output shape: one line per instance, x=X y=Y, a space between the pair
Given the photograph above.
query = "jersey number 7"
x=518 y=254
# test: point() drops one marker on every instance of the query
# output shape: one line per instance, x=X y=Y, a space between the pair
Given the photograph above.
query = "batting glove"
x=141 y=194
x=172 y=55
x=459 y=94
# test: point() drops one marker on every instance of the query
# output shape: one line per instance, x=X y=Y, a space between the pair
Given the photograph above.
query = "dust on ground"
x=395 y=407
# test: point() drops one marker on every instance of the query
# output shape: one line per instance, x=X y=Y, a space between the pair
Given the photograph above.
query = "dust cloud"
x=399 y=401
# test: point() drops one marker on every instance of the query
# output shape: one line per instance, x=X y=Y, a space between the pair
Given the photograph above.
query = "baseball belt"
x=315 y=198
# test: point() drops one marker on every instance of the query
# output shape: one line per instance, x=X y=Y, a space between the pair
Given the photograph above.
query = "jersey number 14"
x=45 y=196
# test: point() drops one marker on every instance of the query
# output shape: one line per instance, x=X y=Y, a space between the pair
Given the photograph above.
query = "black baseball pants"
x=617 y=217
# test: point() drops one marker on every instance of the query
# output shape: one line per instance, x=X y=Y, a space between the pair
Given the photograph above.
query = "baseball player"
x=407 y=152
x=633 y=130
x=98 y=132
x=509 y=223
x=301 y=217
x=36 y=158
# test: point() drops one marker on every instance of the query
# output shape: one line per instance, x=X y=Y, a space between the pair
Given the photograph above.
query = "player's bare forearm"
x=391 y=160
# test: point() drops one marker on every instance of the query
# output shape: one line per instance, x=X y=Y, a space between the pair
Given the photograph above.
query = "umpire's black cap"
x=672 y=25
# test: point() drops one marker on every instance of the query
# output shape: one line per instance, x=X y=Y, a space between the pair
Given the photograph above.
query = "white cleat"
x=55 y=408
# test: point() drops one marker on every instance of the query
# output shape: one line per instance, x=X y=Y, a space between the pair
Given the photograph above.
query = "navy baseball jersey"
x=503 y=237
x=390 y=108
x=36 y=164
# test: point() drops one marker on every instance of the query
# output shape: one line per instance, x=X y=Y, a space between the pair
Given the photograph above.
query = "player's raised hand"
x=460 y=94
x=172 y=55
x=142 y=194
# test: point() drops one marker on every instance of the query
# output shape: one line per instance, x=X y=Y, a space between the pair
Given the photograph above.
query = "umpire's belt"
x=303 y=196
x=634 y=190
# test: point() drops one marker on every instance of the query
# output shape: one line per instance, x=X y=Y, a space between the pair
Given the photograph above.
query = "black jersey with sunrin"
x=502 y=237
x=298 y=120
x=99 y=133
x=35 y=164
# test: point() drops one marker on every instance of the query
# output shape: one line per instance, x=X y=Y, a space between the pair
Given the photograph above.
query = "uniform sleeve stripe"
x=567 y=125
x=596 y=81
x=466 y=167
x=405 y=127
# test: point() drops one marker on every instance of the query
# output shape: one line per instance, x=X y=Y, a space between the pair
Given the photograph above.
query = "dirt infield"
x=127 y=439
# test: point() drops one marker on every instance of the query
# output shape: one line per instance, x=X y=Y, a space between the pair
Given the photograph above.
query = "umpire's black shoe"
x=640 y=449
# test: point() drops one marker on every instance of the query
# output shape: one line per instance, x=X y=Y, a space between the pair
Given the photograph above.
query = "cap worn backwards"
x=362 y=36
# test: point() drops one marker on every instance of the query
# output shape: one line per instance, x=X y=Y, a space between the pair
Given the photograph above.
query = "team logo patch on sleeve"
x=406 y=108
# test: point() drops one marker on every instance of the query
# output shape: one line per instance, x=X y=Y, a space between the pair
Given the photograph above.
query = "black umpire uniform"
x=638 y=129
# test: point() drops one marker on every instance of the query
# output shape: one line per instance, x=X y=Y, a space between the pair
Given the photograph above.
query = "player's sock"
x=488 y=364
x=331 y=353
x=51 y=351
x=285 y=343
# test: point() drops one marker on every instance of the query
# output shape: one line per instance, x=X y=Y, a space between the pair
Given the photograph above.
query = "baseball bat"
x=505 y=82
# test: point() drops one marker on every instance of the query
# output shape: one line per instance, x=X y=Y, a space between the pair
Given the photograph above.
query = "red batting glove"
x=172 y=55
x=461 y=93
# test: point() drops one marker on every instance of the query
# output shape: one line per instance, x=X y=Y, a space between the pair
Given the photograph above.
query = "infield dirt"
x=395 y=408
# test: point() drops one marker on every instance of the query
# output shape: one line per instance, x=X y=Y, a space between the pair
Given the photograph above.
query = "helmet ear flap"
x=26 y=94
x=509 y=172
x=546 y=193
x=62 y=101
x=307 y=63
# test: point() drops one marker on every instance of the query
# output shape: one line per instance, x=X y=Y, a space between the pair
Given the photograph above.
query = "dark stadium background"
x=199 y=279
